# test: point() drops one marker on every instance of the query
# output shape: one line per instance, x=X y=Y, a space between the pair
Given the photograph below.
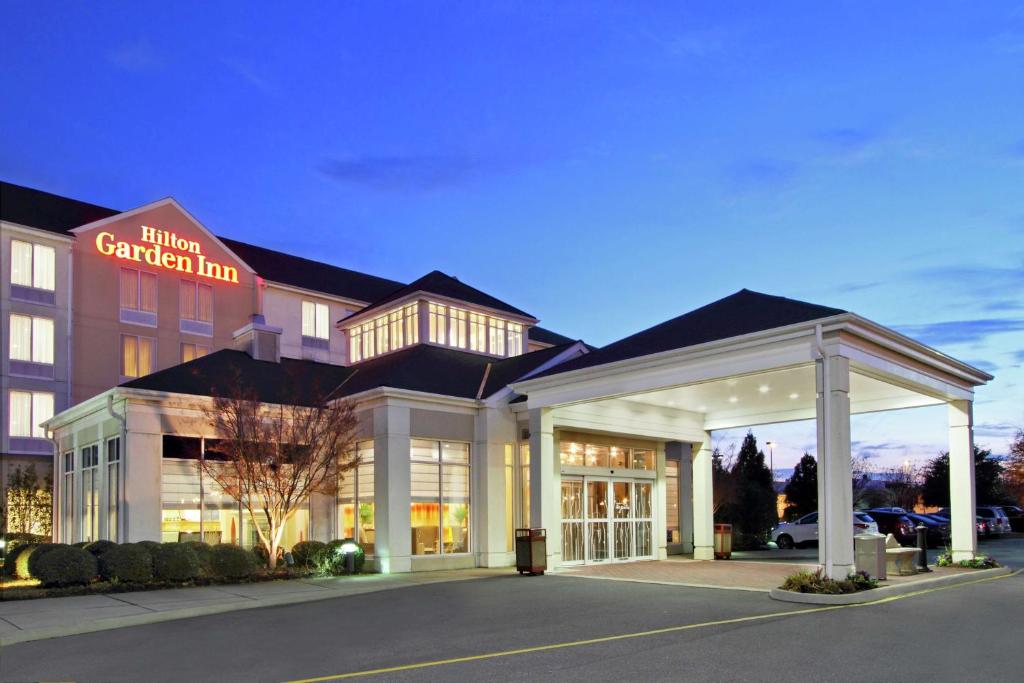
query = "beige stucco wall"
x=282 y=307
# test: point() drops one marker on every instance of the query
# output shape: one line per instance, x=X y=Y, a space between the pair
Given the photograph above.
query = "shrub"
x=17 y=538
x=979 y=562
x=130 y=563
x=229 y=561
x=16 y=563
x=261 y=554
x=65 y=566
x=149 y=545
x=175 y=562
x=39 y=553
x=99 y=548
x=80 y=544
x=817 y=582
x=203 y=550
x=304 y=552
x=330 y=559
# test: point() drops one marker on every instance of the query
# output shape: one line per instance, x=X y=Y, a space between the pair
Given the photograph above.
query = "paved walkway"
x=756 y=576
x=22 y=620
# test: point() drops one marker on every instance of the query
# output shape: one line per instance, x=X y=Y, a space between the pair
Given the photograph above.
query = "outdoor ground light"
x=349 y=550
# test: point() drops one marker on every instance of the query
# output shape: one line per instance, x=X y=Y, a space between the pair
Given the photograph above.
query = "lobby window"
x=28 y=409
x=33 y=265
x=138 y=355
x=438 y=323
x=113 y=465
x=31 y=339
x=510 y=489
x=672 y=501
x=355 y=500
x=478 y=332
x=439 y=478
x=192 y=506
x=496 y=329
x=391 y=331
x=193 y=351
x=456 y=328
x=195 y=301
x=515 y=339
x=577 y=454
x=138 y=297
x=524 y=483
x=315 y=320
x=90 y=457
x=68 y=498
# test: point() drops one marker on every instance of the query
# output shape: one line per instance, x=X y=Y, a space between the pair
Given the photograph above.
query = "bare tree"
x=274 y=456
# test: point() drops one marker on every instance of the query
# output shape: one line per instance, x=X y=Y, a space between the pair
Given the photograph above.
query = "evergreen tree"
x=754 y=511
x=988 y=484
x=1013 y=474
x=802 y=488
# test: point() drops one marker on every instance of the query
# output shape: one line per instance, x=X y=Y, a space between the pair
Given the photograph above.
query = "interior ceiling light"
x=794 y=395
x=701 y=409
x=764 y=388
x=733 y=399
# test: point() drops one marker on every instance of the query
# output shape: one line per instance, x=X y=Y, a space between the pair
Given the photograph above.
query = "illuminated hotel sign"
x=164 y=253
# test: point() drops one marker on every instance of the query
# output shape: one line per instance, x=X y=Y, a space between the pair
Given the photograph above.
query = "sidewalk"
x=25 y=620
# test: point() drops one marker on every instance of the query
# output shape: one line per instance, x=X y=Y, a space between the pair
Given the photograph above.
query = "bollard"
x=922 y=545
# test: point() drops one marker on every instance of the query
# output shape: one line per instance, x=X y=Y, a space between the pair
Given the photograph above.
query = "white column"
x=703 y=502
x=545 y=483
x=962 y=501
x=660 y=522
x=835 y=476
x=495 y=430
x=391 y=492
x=686 y=497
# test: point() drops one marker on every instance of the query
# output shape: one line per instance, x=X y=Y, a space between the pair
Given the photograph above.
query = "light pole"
x=771 y=458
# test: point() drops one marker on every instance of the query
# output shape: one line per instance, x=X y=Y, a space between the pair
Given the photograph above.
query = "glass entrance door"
x=597 y=520
x=622 y=524
x=572 y=520
x=607 y=519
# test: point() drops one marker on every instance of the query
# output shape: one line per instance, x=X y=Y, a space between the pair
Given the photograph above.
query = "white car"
x=805 y=529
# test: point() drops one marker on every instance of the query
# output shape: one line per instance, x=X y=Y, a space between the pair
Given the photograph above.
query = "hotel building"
x=119 y=327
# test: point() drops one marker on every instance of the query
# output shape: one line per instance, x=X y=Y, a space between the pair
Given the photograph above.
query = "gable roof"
x=546 y=336
x=425 y=368
x=744 y=312
x=47 y=211
x=313 y=275
x=436 y=282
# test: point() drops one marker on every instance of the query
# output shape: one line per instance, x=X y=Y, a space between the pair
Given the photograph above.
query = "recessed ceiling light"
x=764 y=388
x=733 y=399
x=794 y=395
x=701 y=409
x=671 y=403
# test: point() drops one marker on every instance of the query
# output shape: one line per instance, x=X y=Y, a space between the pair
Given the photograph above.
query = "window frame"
x=138 y=342
x=34 y=249
x=317 y=308
x=441 y=463
x=34 y=430
x=32 y=320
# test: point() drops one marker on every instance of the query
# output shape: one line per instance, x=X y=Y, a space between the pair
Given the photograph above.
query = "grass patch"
x=816 y=582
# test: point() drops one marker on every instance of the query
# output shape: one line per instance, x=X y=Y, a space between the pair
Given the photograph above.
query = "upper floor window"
x=195 y=301
x=31 y=339
x=477 y=332
x=315 y=320
x=193 y=351
x=138 y=355
x=33 y=265
x=138 y=297
x=515 y=339
x=388 y=332
x=463 y=329
x=28 y=410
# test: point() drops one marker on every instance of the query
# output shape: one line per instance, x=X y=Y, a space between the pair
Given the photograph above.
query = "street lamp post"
x=771 y=458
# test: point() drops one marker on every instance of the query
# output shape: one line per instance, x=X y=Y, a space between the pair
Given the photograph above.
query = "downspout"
x=68 y=374
x=122 y=447
x=58 y=479
x=826 y=428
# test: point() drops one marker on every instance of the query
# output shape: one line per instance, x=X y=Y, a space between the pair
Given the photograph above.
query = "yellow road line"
x=639 y=634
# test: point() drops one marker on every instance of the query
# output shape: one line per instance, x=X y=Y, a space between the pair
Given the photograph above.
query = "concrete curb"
x=879 y=594
x=29 y=635
x=665 y=583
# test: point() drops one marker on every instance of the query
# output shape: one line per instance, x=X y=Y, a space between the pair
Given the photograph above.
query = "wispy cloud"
x=1018 y=356
x=758 y=174
x=986 y=284
x=136 y=56
x=408 y=173
x=996 y=429
x=961 y=331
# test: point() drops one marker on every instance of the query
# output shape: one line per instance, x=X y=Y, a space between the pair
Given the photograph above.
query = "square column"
x=703 y=502
x=495 y=431
x=835 y=475
x=683 y=454
x=391 y=489
x=545 y=483
x=962 y=501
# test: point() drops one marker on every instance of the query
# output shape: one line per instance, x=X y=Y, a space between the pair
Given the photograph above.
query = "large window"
x=31 y=339
x=524 y=482
x=672 y=501
x=193 y=507
x=440 y=497
x=90 y=457
x=27 y=410
x=138 y=294
x=355 y=500
x=391 y=331
x=578 y=454
x=463 y=329
x=68 y=499
x=33 y=265
x=193 y=351
x=315 y=320
x=138 y=355
x=478 y=332
x=195 y=301
x=515 y=339
x=113 y=487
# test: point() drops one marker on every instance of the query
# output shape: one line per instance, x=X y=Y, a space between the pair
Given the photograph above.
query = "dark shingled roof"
x=741 y=313
x=546 y=336
x=436 y=282
x=46 y=211
x=425 y=368
x=313 y=275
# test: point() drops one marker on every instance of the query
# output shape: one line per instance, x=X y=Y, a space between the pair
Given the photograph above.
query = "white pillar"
x=703 y=502
x=495 y=431
x=391 y=492
x=835 y=476
x=660 y=522
x=686 y=497
x=962 y=503
x=545 y=483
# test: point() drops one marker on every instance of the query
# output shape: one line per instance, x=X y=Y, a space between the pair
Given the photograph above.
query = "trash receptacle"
x=723 y=541
x=531 y=551
x=869 y=555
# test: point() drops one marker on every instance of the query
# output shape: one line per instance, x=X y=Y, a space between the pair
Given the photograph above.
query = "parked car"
x=998 y=522
x=938 y=533
x=1016 y=515
x=983 y=526
x=804 y=531
x=897 y=524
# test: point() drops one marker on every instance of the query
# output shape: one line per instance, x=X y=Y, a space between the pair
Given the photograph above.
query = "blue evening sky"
x=604 y=166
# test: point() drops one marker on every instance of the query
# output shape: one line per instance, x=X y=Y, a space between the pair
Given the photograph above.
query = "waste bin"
x=723 y=541
x=531 y=551
x=869 y=555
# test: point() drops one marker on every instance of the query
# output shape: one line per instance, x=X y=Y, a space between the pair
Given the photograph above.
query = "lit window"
x=28 y=410
x=395 y=329
x=412 y=324
x=32 y=265
x=67 y=497
x=90 y=493
x=113 y=486
x=355 y=344
x=477 y=332
x=515 y=339
x=355 y=500
x=193 y=351
x=439 y=488
x=137 y=355
x=195 y=301
x=138 y=290
x=457 y=328
x=438 y=323
x=390 y=331
x=497 y=331
x=31 y=339
x=315 y=321
x=381 y=330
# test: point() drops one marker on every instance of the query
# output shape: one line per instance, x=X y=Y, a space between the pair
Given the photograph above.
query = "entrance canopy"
x=753 y=359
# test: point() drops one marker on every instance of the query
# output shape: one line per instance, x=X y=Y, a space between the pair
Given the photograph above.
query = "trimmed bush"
x=16 y=538
x=149 y=545
x=229 y=561
x=261 y=554
x=304 y=552
x=203 y=550
x=65 y=566
x=80 y=544
x=175 y=562
x=39 y=553
x=130 y=563
x=17 y=561
x=330 y=559
x=99 y=548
